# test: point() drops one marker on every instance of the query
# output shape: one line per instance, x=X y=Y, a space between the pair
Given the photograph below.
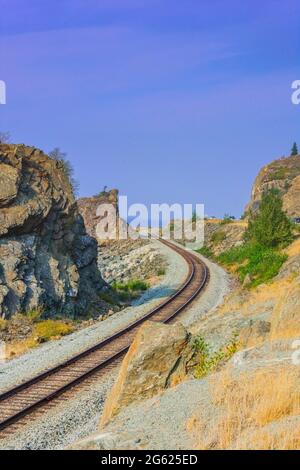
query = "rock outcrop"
x=47 y=259
x=156 y=360
x=220 y=236
x=284 y=175
x=88 y=207
x=119 y=260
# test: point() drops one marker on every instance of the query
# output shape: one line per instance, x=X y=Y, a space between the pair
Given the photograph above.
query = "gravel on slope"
x=78 y=417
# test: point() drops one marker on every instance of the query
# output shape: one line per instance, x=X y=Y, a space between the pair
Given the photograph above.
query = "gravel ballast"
x=77 y=418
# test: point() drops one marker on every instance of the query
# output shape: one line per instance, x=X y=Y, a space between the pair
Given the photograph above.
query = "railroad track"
x=41 y=392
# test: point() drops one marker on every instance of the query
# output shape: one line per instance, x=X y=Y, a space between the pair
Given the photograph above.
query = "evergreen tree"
x=269 y=226
x=294 y=150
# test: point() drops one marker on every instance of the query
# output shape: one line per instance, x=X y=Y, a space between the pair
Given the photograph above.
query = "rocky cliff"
x=119 y=260
x=47 y=259
x=284 y=175
x=88 y=208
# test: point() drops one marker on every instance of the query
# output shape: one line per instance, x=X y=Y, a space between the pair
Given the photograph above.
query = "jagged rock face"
x=88 y=207
x=47 y=259
x=284 y=175
x=157 y=359
x=219 y=237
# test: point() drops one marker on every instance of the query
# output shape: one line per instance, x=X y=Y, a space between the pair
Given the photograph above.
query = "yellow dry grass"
x=265 y=439
x=293 y=249
x=251 y=302
x=249 y=402
x=43 y=331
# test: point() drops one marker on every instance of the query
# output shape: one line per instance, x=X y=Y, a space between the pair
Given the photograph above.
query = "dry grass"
x=51 y=329
x=251 y=402
x=42 y=331
x=3 y=324
x=266 y=439
x=293 y=249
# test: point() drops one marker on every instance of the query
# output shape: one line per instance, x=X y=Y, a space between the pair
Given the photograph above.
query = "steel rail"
x=194 y=264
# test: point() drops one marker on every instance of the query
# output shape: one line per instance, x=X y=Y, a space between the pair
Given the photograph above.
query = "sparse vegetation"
x=129 y=290
x=106 y=297
x=249 y=403
x=35 y=314
x=27 y=330
x=258 y=263
x=227 y=219
x=279 y=173
x=269 y=226
x=133 y=285
x=206 y=360
x=260 y=259
x=205 y=251
x=102 y=193
x=50 y=329
x=161 y=271
x=61 y=157
x=218 y=237
x=3 y=324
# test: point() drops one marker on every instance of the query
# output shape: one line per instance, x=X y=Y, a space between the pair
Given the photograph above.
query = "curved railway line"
x=42 y=392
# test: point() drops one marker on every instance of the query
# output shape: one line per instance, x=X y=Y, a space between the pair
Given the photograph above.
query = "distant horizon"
x=166 y=101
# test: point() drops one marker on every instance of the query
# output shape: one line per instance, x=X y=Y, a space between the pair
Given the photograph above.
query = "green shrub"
x=161 y=271
x=269 y=226
x=133 y=285
x=296 y=227
x=35 y=314
x=49 y=329
x=205 y=251
x=227 y=219
x=260 y=263
x=279 y=174
x=129 y=290
x=218 y=237
x=106 y=297
x=206 y=360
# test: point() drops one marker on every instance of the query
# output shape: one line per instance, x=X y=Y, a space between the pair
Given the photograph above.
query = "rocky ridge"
x=47 y=259
x=282 y=174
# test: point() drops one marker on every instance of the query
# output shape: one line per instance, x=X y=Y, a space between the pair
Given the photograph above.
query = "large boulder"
x=157 y=359
x=47 y=259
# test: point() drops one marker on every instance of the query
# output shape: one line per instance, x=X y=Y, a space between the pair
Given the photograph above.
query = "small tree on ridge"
x=294 y=151
x=269 y=226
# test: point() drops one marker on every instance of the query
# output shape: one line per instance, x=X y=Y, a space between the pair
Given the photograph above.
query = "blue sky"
x=169 y=101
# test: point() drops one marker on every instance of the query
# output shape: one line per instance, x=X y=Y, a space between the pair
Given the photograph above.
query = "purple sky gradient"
x=170 y=101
